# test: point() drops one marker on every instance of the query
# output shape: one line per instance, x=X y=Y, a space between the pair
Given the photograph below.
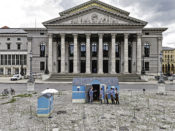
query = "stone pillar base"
x=30 y=86
x=112 y=72
x=45 y=76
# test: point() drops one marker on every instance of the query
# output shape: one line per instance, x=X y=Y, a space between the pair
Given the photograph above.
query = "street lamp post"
x=161 y=79
x=31 y=81
x=143 y=66
x=46 y=71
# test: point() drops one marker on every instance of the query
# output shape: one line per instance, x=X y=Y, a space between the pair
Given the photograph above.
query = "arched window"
x=147 y=49
x=117 y=49
x=105 y=49
x=71 y=49
x=94 y=49
x=83 y=49
x=42 y=50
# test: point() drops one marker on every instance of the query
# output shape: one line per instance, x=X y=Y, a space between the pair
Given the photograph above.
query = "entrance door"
x=96 y=95
x=105 y=66
x=70 y=66
x=83 y=66
x=117 y=66
x=94 y=66
x=59 y=66
x=130 y=66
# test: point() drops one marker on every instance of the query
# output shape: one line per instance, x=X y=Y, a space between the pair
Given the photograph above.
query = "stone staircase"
x=69 y=77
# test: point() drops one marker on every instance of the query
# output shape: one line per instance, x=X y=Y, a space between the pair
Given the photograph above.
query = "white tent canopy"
x=52 y=91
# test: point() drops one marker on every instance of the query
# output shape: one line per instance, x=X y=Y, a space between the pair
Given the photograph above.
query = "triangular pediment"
x=94 y=3
x=94 y=15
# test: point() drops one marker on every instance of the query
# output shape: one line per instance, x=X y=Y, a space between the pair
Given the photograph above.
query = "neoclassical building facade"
x=168 y=64
x=94 y=37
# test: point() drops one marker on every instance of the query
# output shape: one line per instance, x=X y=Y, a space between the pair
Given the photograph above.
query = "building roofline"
x=92 y=1
x=167 y=48
x=155 y=29
x=33 y=29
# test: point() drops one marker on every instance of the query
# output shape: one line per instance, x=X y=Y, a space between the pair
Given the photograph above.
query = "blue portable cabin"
x=81 y=87
x=45 y=105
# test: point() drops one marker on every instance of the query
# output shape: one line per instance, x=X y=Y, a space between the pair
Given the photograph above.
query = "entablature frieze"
x=95 y=32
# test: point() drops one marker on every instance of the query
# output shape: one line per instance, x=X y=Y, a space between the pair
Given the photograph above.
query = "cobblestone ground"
x=136 y=112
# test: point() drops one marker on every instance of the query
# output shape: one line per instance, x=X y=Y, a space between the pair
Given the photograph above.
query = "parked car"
x=16 y=77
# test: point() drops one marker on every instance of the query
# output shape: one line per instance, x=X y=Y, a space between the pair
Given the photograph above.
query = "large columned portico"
x=95 y=53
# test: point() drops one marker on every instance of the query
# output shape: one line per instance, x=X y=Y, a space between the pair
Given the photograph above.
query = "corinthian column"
x=62 y=53
x=100 y=54
x=139 y=48
x=50 y=59
x=75 y=68
x=113 y=54
x=88 y=63
x=125 y=53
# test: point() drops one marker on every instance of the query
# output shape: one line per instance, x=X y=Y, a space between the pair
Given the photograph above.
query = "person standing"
x=112 y=95
x=106 y=95
x=117 y=96
x=91 y=92
x=101 y=95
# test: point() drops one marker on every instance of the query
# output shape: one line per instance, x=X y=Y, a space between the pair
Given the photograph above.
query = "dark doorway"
x=70 y=66
x=83 y=66
x=129 y=66
x=105 y=66
x=59 y=66
x=117 y=66
x=94 y=66
x=96 y=89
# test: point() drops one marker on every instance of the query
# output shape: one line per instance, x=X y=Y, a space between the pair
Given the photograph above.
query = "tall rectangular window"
x=8 y=46
x=146 y=66
x=17 y=59
x=9 y=59
x=42 y=50
x=21 y=59
x=2 y=59
x=42 y=65
x=5 y=59
x=25 y=60
x=19 y=46
x=13 y=59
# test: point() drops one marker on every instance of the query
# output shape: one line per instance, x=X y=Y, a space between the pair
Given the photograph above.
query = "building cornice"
x=155 y=29
x=13 y=35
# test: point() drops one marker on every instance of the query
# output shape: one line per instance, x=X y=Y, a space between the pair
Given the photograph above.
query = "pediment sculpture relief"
x=95 y=18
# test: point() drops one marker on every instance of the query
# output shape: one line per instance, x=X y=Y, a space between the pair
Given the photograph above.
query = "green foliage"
x=23 y=95
x=11 y=101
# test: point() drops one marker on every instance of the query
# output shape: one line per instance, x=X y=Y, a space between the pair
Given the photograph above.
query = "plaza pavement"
x=6 y=80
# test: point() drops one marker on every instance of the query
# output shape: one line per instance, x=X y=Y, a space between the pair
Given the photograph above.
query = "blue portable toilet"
x=81 y=87
x=45 y=105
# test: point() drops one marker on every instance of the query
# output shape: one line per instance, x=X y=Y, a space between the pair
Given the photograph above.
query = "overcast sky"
x=25 y=13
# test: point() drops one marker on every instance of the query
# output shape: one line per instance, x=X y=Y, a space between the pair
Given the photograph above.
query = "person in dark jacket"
x=116 y=96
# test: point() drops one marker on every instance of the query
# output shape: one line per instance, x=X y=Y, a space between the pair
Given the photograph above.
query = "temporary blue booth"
x=81 y=87
x=45 y=105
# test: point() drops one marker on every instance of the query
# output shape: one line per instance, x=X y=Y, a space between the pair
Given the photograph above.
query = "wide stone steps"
x=69 y=77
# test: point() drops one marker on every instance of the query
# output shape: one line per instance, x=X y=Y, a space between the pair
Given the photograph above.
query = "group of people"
x=5 y=92
x=104 y=95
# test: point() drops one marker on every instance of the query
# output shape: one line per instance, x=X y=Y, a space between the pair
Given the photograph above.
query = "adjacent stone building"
x=168 y=65
x=93 y=37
